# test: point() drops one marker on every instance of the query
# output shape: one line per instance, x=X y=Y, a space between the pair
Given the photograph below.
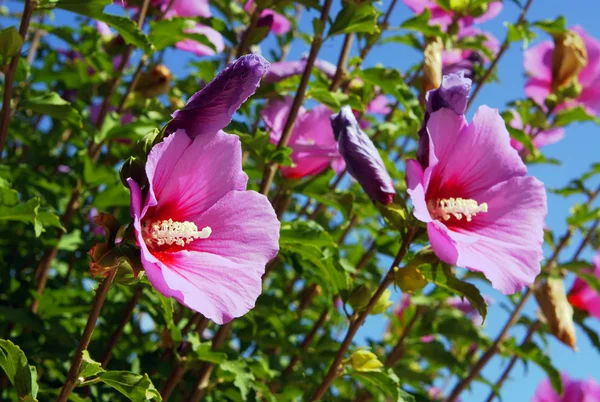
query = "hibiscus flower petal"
x=176 y=173
x=244 y=227
x=213 y=285
x=212 y=108
x=491 y=158
x=538 y=61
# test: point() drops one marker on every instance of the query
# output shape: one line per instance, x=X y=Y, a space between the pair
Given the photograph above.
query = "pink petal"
x=244 y=227
x=509 y=237
x=538 y=90
x=200 y=49
x=281 y=25
x=192 y=8
x=493 y=11
x=491 y=158
x=538 y=61
x=275 y=115
x=187 y=179
x=379 y=105
x=213 y=285
x=414 y=182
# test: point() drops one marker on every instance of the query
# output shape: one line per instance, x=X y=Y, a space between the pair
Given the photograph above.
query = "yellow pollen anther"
x=457 y=207
x=173 y=232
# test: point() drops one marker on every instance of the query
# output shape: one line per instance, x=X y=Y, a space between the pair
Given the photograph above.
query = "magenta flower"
x=285 y=69
x=200 y=49
x=538 y=65
x=444 y=18
x=482 y=211
x=204 y=240
x=281 y=25
x=212 y=108
x=379 y=105
x=188 y=8
x=574 y=391
x=582 y=296
x=541 y=139
x=363 y=160
x=312 y=138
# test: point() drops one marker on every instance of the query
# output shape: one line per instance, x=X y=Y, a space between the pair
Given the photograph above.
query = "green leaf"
x=520 y=32
x=581 y=214
x=532 y=352
x=556 y=26
x=89 y=367
x=23 y=376
x=243 y=378
x=128 y=29
x=167 y=32
x=355 y=17
x=46 y=219
x=10 y=43
x=136 y=387
x=53 y=105
x=573 y=115
x=444 y=278
x=308 y=233
x=334 y=199
x=203 y=351
x=23 y=212
x=420 y=23
x=385 y=382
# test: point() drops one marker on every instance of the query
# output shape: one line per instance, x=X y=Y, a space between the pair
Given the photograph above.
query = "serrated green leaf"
x=243 y=378
x=53 y=105
x=355 y=17
x=136 y=387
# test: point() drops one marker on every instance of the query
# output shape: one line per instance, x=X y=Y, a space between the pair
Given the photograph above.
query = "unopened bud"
x=409 y=279
x=478 y=9
x=458 y=5
x=383 y=303
x=432 y=65
x=363 y=361
x=557 y=311
x=568 y=59
x=154 y=83
x=360 y=296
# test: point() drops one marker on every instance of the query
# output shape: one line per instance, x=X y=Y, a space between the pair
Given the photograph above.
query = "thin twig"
x=271 y=168
x=481 y=81
x=9 y=76
x=359 y=318
x=84 y=341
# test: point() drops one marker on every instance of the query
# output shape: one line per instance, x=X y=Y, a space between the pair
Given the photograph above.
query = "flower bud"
x=458 y=5
x=409 y=279
x=557 y=310
x=154 y=83
x=363 y=361
x=360 y=296
x=432 y=65
x=453 y=94
x=383 y=303
x=478 y=9
x=363 y=160
x=568 y=59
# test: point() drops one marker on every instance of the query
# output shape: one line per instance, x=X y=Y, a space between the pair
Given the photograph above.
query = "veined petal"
x=245 y=229
x=211 y=284
x=187 y=177
x=198 y=48
x=212 y=108
x=491 y=158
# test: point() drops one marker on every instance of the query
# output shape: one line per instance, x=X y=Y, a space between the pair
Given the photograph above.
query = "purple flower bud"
x=363 y=161
x=453 y=94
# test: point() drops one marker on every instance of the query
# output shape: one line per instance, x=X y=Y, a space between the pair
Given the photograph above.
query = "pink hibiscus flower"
x=573 y=391
x=204 y=239
x=482 y=211
x=541 y=139
x=538 y=65
x=444 y=18
x=280 y=26
x=315 y=148
x=582 y=296
x=183 y=8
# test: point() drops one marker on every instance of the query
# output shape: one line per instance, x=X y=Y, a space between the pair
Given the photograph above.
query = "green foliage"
x=20 y=374
x=355 y=17
x=10 y=43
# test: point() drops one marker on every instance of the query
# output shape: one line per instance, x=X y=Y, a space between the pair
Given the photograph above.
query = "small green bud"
x=360 y=296
x=478 y=10
x=409 y=279
x=459 y=5
x=572 y=91
x=383 y=303
x=551 y=101
x=363 y=361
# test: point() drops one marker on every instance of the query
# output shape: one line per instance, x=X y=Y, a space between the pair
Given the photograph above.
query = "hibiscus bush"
x=237 y=200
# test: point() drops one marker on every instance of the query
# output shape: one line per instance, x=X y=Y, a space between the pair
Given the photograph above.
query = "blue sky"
x=578 y=151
